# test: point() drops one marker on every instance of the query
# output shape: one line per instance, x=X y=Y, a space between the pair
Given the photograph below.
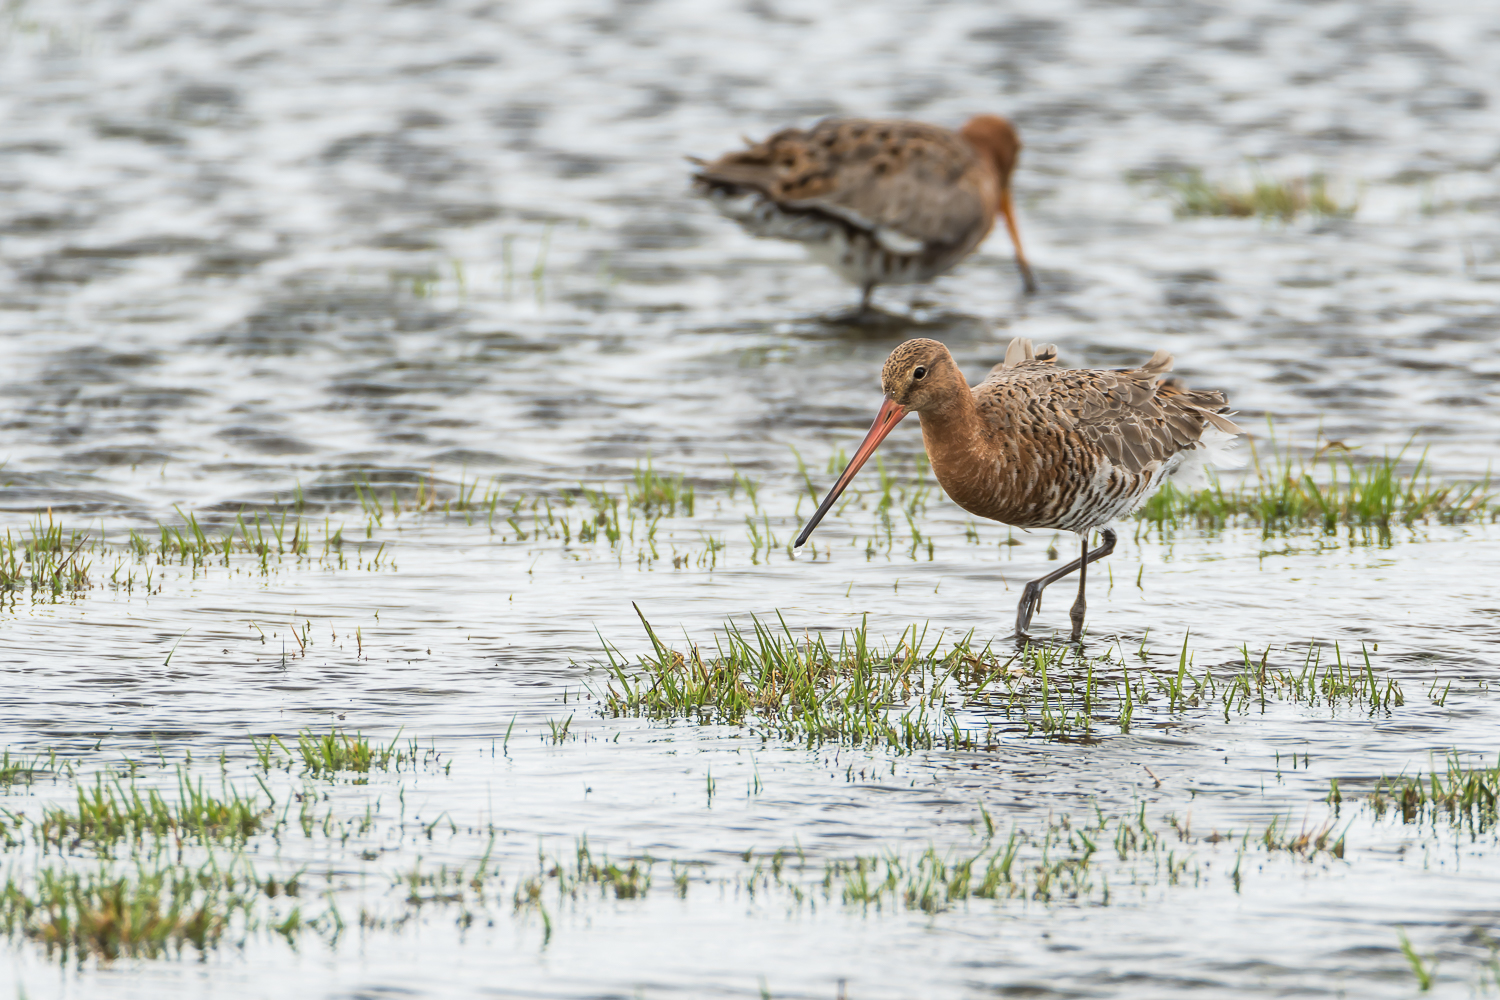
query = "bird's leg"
x=1031 y=597
x=1008 y=210
x=864 y=299
x=1079 y=604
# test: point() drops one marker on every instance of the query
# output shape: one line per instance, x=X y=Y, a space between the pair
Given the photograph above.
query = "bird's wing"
x=1136 y=422
x=910 y=185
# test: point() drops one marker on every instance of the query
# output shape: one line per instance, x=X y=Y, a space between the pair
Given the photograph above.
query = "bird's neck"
x=961 y=453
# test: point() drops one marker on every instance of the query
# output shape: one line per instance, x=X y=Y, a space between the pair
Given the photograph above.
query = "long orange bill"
x=886 y=420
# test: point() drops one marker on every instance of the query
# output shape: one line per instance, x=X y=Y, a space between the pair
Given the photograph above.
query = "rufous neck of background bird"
x=993 y=138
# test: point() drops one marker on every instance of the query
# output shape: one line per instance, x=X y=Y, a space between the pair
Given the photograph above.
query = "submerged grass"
x=1465 y=795
x=127 y=911
x=20 y=770
x=1281 y=199
x=327 y=755
x=49 y=559
x=1331 y=490
x=131 y=874
x=110 y=811
x=1287 y=491
x=921 y=694
x=1424 y=970
x=334 y=752
x=665 y=494
x=571 y=878
x=1093 y=860
x=802 y=690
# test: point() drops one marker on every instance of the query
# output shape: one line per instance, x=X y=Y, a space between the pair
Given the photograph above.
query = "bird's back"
x=1083 y=447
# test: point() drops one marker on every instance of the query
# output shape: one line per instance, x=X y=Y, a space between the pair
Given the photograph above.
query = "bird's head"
x=918 y=375
x=993 y=138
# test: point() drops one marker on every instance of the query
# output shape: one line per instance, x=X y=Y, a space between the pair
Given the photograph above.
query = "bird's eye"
x=919 y=372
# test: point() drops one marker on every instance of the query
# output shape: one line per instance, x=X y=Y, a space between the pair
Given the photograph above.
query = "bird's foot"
x=1029 y=605
x=1022 y=639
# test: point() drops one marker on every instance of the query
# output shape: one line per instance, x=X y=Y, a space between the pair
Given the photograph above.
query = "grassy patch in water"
x=666 y=494
x=634 y=512
x=126 y=911
x=51 y=560
x=1464 y=795
x=921 y=694
x=333 y=752
x=19 y=770
x=48 y=559
x=1092 y=860
x=1282 y=199
x=805 y=689
x=1068 y=861
x=124 y=876
x=110 y=811
x=1285 y=492
x=646 y=513
x=572 y=878
x=327 y=755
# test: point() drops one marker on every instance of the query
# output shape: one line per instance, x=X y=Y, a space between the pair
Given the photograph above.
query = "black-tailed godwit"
x=880 y=202
x=1036 y=446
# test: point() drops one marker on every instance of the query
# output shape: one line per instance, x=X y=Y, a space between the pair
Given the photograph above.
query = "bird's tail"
x=1208 y=403
x=1021 y=349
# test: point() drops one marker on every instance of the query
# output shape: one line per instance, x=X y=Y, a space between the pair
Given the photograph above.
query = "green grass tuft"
x=1265 y=198
x=113 y=912
x=109 y=812
x=1467 y=796
x=660 y=494
x=328 y=754
x=803 y=689
x=1425 y=971
x=1285 y=492
x=921 y=695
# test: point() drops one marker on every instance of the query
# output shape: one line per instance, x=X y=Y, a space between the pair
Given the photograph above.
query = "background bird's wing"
x=904 y=182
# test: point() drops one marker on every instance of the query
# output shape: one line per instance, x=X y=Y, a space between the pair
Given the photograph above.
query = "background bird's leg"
x=1083 y=578
x=1031 y=597
x=864 y=299
x=1008 y=210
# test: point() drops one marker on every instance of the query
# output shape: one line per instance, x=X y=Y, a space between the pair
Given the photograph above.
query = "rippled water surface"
x=346 y=268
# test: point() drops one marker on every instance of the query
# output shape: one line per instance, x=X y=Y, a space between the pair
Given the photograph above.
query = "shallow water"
x=262 y=255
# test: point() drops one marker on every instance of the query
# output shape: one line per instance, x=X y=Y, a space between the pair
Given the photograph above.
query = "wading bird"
x=880 y=202
x=1036 y=446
